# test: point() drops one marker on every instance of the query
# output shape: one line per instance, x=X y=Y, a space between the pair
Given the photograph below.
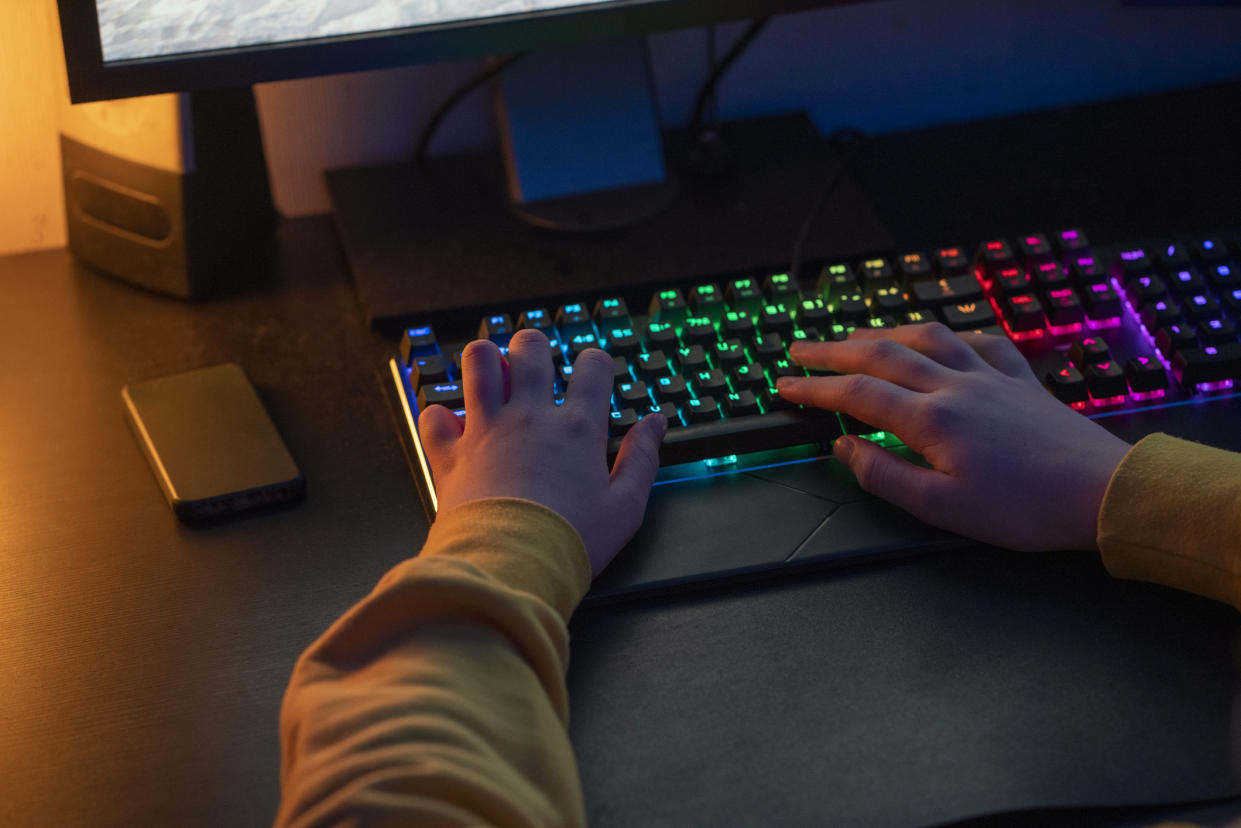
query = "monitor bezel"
x=91 y=78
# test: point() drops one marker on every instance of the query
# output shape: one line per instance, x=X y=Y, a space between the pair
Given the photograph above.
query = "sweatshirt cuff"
x=1171 y=516
x=520 y=543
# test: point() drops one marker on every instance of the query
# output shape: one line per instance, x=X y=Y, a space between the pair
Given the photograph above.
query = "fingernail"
x=843 y=450
x=788 y=383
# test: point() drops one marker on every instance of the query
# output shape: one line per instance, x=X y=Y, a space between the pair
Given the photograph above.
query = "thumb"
x=888 y=476
x=439 y=429
x=637 y=461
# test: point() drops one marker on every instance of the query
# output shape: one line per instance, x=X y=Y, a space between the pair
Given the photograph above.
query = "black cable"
x=846 y=142
x=707 y=91
x=455 y=97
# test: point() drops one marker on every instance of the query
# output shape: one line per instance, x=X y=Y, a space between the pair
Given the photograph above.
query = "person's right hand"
x=1011 y=464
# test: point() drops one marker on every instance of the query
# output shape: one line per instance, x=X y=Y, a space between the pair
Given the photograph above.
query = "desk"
x=142 y=660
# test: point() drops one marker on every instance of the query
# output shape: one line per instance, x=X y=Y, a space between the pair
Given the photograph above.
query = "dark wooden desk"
x=142 y=661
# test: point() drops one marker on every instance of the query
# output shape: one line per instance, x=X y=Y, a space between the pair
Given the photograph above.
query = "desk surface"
x=143 y=660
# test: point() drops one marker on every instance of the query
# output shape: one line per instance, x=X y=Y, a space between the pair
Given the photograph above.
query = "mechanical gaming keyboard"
x=1110 y=330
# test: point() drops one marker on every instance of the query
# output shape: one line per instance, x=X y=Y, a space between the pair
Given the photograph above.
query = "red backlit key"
x=993 y=256
x=951 y=261
x=1106 y=380
x=1011 y=280
x=1024 y=312
x=1067 y=384
x=1034 y=248
x=1064 y=308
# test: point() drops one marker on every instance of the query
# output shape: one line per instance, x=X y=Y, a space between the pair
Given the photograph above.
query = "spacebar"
x=741 y=435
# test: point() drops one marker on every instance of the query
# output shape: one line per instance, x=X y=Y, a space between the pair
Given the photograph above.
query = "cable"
x=455 y=97
x=846 y=141
x=707 y=91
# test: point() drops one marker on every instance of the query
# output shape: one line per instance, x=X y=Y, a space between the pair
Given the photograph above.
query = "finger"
x=438 y=429
x=872 y=400
x=880 y=472
x=590 y=386
x=880 y=357
x=637 y=462
x=482 y=372
x=932 y=339
x=530 y=367
x=1000 y=353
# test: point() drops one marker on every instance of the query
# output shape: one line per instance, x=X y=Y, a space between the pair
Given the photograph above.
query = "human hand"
x=1011 y=464
x=516 y=442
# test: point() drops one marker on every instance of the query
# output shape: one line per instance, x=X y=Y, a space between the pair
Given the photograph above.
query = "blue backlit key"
x=450 y=394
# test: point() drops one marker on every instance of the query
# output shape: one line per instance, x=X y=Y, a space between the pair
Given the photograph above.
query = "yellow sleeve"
x=1172 y=515
x=440 y=698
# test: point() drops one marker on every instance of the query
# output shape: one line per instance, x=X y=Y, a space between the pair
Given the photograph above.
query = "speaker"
x=193 y=218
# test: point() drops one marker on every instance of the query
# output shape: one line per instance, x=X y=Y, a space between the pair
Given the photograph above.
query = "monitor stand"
x=601 y=170
x=440 y=240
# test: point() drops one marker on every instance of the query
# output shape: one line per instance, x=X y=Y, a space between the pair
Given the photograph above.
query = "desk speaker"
x=195 y=226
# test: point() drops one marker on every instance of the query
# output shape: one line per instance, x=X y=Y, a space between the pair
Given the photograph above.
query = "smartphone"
x=210 y=442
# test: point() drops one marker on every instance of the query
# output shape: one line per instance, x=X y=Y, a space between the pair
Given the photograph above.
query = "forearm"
x=441 y=696
x=1172 y=515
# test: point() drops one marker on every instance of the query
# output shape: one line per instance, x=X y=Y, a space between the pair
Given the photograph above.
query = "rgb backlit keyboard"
x=1108 y=329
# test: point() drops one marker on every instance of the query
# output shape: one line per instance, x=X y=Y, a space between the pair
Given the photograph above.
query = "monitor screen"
x=185 y=26
x=123 y=48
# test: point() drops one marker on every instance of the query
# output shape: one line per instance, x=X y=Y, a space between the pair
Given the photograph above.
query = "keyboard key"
x=1105 y=380
x=450 y=394
x=1186 y=281
x=968 y=315
x=633 y=394
x=1200 y=306
x=775 y=319
x=1089 y=350
x=623 y=342
x=612 y=313
x=536 y=318
x=730 y=353
x=1024 y=312
x=813 y=312
x=1145 y=373
x=994 y=256
x=671 y=389
x=1146 y=288
x=1218 y=331
x=1175 y=337
x=710 y=383
x=1087 y=270
x=780 y=288
x=947 y=290
x=1159 y=313
x=741 y=403
x=669 y=306
x=744 y=297
x=573 y=319
x=428 y=369
x=1070 y=242
x=1064 y=308
x=951 y=261
x=1133 y=261
x=890 y=300
x=652 y=365
x=692 y=358
x=708 y=301
x=742 y=435
x=1067 y=384
x=768 y=347
x=702 y=410
x=1209 y=250
x=621 y=421
x=660 y=336
x=875 y=270
x=836 y=280
x=737 y=325
x=850 y=308
x=1196 y=366
x=1049 y=275
x=581 y=342
x=1034 y=248
x=749 y=377
x=418 y=342
x=1101 y=302
x=1012 y=280
x=698 y=331
x=910 y=267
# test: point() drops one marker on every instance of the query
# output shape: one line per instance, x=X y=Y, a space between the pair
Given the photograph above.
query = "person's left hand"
x=516 y=442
